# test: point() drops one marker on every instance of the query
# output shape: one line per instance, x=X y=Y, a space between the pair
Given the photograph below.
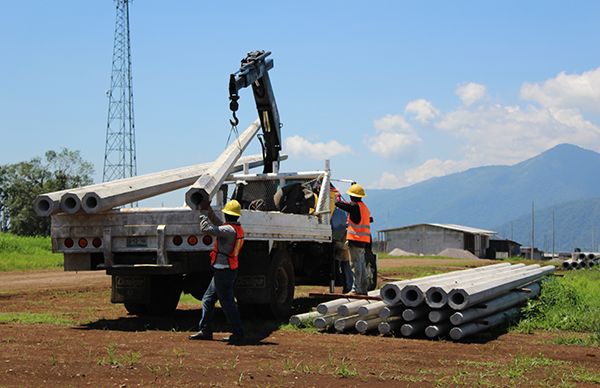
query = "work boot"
x=201 y=336
x=234 y=339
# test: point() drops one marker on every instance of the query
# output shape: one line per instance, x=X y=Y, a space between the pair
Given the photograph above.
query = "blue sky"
x=392 y=92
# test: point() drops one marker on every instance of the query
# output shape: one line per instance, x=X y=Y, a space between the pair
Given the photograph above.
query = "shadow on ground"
x=256 y=327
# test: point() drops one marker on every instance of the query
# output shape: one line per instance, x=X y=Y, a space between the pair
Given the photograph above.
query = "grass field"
x=568 y=303
x=24 y=253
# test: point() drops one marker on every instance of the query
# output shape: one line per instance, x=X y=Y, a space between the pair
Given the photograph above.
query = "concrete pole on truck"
x=202 y=191
x=104 y=196
x=94 y=203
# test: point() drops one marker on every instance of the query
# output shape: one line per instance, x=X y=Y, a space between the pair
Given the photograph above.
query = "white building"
x=431 y=239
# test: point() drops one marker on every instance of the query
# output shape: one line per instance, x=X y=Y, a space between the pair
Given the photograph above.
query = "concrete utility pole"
x=207 y=185
x=532 y=230
x=553 y=235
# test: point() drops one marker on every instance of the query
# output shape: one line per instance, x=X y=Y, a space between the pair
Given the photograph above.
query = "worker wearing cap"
x=224 y=261
x=358 y=235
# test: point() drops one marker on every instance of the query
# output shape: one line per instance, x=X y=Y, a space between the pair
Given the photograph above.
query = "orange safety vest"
x=233 y=256
x=361 y=231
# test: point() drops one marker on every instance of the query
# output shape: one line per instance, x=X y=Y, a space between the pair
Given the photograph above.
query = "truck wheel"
x=164 y=294
x=135 y=308
x=281 y=283
x=196 y=283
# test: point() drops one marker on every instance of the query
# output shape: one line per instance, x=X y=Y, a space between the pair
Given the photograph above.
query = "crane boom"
x=254 y=70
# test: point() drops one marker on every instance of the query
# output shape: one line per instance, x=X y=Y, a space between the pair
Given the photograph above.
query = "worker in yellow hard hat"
x=224 y=260
x=358 y=235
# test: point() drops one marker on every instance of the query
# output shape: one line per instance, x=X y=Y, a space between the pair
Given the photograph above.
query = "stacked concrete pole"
x=476 y=300
x=104 y=196
x=113 y=194
x=581 y=260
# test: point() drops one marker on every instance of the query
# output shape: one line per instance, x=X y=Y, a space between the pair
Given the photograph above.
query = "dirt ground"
x=85 y=340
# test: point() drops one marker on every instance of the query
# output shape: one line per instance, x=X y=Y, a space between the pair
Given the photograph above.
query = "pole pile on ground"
x=581 y=260
x=455 y=304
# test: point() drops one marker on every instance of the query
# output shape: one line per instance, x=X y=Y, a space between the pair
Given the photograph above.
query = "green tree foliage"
x=21 y=182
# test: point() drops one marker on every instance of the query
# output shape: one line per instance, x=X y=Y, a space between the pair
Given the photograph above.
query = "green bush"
x=569 y=303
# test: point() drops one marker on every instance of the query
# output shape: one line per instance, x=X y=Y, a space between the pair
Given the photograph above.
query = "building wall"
x=425 y=239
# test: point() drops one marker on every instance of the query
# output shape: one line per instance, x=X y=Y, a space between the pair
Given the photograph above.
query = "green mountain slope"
x=494 y=195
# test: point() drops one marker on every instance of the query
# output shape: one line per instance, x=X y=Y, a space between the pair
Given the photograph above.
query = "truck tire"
x=165 y=291
x=280 y=283
x=135 y=308
x=196 y=283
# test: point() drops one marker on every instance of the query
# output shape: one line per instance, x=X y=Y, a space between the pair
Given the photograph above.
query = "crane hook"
x=235 y=120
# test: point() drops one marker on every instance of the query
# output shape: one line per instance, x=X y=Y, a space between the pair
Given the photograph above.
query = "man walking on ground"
x=358 y=235
x=224 y=261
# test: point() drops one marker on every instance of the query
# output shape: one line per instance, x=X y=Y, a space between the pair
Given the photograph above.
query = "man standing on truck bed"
x=358 y=235
x=224 y=261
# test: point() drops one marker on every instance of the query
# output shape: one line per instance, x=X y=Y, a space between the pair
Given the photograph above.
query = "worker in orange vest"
x=358 y=235
x=224 y=261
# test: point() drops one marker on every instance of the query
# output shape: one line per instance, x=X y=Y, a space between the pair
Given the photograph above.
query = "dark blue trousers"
x=221 y=289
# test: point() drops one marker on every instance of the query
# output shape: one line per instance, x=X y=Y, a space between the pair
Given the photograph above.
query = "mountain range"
x=561 y=180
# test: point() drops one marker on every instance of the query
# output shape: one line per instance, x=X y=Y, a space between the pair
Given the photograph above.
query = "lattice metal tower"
x=119 y=151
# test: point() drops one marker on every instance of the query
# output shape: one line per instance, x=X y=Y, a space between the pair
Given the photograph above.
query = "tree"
x=21 y=182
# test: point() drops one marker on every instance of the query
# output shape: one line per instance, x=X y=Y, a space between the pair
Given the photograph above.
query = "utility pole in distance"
x=532 y=230
x=119 y=152
x=553 y=235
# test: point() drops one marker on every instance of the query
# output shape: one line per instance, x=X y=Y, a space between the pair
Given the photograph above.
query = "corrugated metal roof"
x=460 y=228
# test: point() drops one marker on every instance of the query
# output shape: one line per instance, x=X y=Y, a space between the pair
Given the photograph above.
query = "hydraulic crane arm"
x=254 y=71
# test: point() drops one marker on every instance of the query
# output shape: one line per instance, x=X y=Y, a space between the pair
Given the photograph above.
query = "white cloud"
x=563 y=109
x=389 y=180
x=394 y=136
x=430 y=169
x=506 y=134
x=470 y=93
x=423 y=110
x=580 y=91
x=391 y=123
x=299 y=146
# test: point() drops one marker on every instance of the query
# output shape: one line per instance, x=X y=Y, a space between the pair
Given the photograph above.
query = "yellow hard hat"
x=233 y=208
x=356 y=190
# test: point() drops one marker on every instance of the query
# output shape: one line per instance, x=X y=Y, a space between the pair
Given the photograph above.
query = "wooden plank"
x=337 y=296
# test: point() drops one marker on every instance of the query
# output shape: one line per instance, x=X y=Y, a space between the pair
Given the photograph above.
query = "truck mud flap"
x=130 y=289
x=251 y=289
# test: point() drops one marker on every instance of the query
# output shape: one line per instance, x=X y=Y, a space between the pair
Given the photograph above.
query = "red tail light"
x=192 y=240
x=69 y=243
x=82 y=243
x=177 y=240
x=207 y=240
x=97 y=242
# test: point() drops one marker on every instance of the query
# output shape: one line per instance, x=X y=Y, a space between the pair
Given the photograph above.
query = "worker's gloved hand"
x=204 y=222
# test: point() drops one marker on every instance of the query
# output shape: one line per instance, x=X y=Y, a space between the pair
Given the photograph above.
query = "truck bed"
x=164 y=231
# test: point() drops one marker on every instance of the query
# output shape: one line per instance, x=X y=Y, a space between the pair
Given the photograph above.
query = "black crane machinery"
x=254 y=70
